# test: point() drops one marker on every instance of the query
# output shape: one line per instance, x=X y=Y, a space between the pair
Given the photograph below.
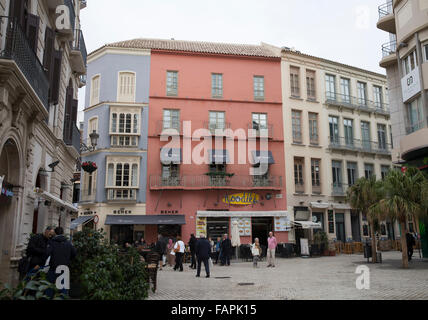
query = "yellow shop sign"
x=242 y=199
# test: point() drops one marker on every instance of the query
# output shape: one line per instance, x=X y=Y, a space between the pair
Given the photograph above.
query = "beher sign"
x=411 y=85
x=242 y=199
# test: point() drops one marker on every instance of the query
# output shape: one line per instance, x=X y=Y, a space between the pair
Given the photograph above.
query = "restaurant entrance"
x=261 y=228
x=121 y=234
x=217 y=227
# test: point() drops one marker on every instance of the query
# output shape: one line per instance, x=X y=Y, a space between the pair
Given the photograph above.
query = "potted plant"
x=321 y=239
x=89 y=166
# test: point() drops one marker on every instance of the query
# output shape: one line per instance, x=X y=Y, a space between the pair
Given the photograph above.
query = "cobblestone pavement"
x=329 y=278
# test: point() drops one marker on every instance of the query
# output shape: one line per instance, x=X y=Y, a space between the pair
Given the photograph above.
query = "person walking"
x=179 y=248
x=217 y=249
x=192 y=246
x=203 y=250
x=170 y=253
x=256 y=251
x=160 y=250
x=226 y=247
x=410 y=239
x=37 y=251
x=61 y=252
x=272 y=244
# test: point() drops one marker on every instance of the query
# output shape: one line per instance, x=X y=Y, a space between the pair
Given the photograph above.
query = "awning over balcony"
x=171 y=156
x=218 y=156
x=145 y=220
x=80 y=221
x=265 y=157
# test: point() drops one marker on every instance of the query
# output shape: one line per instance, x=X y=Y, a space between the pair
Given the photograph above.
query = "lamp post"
x=94 y=136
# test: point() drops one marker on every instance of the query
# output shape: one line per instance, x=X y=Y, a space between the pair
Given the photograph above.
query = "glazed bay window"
x=122 y=178
x=217 y=85
x=171 y=83
x=315 y=174
x=295 y=82
x=313 y=128
x=362 y=93
x=259 y=87
x=310 y=85
x=124 y=126
x=297 y=126
x=299 y=182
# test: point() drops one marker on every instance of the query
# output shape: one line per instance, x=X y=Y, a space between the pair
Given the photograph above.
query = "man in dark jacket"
x=61 y=252
x=226 y=247
x=203 y=250
x=160 y=248
x=37 y=249
x=410 y=239
x=192 y=246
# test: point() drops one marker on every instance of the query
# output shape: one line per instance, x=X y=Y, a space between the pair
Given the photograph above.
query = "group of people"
x=48 y=251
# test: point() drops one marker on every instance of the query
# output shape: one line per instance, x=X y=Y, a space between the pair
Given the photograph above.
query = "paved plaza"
x=329 y=278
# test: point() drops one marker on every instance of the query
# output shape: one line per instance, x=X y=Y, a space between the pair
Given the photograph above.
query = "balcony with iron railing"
x=217 y=128
x=205 y=182
x=258 y=130
x=17 y=48
x=169 y=128
x=386 y=20
x=117 y=194
x=354 y=103
x=78 y=54
x=364 y=146
x=389 y=55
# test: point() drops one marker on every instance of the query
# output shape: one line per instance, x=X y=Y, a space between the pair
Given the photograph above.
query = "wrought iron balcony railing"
x=208 y=182
x=338 y=189
x=79 y=45
x=169 y=127
x=344 y=143
x=347 y=101
x=261 y=130
x=385 y=9
x=18 y=49
x=216 y=128
x=389 y=48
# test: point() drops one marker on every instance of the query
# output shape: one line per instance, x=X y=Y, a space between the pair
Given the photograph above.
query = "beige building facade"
x=42 y=65
x=337 y=129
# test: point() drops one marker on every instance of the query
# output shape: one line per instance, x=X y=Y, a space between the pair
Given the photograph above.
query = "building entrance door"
x=340 y=227
x=217 y=227
x=260 y=228
x=356 y=226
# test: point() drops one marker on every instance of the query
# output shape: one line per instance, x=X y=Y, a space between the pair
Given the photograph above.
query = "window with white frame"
x=122 y=178
x=92 y=127
x=171 y=83
x=330 y=87
x=295 y=81
x=345 y=90
x=377 y=96
x=217 y=85
x=259 y=87
x=89 y=186
x=410 y=62
x=362 y=93
x=171 y=119
x=124 y=127
x=95 y=90
x=126 y=87
x=310 y=85
x=259 y=121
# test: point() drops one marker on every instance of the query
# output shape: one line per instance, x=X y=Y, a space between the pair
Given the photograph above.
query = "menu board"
x=201 y=226
x=244 y=226
x=282 y=224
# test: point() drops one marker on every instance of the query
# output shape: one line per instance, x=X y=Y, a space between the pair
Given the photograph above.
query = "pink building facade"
x=220 y=91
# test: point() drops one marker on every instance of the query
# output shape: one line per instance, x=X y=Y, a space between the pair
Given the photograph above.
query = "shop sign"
x=282 y=224
x=411 y=85
x=242 y=199
x=122 y=211
x=201 y=226
x=244 y=226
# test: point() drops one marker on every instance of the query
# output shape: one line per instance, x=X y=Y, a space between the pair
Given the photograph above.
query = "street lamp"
x=94 y=136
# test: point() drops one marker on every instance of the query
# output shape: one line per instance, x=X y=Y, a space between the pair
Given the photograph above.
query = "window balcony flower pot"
x=89 y=166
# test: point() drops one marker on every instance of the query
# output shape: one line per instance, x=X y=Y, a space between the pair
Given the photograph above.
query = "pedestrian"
x=37 y=251
x=192 y=247
x=170 y=253
x=203 y=250
x=226 y=246
x=179 y=248
x=410 y=239
x=272 y=244
x=160 y=250
x=61 y=252
x=256 y=251
x=217 y=249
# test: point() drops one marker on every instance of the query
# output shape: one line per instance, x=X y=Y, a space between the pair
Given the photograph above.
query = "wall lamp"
x=52 y=166
x=94 y=136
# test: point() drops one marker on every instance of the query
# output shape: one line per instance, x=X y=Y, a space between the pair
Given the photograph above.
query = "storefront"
x=251 y=224
x=131 y=228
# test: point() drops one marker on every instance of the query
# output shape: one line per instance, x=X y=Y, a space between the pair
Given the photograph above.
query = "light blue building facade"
x=117 y=109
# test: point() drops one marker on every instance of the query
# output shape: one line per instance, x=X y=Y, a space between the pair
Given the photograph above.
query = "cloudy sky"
x=344 y=31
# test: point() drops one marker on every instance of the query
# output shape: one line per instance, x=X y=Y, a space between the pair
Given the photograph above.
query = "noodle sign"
x=242 y=199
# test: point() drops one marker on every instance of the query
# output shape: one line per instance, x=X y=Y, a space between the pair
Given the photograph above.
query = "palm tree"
x=405 y=194
x=361 y=196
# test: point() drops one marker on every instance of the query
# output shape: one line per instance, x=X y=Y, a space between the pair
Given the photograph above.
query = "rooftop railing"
x=18 y=49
